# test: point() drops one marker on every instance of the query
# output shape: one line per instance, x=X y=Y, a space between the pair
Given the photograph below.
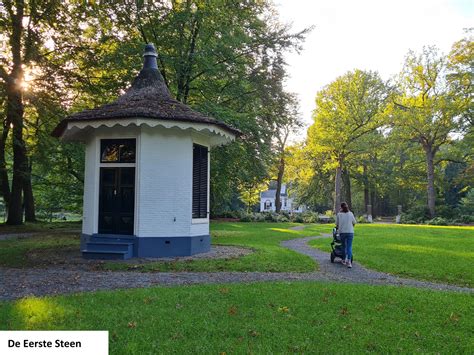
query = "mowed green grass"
x=263 y=238
x=441 y=254
x=55 y=235
x=39 y=227
x=301 y=317
x=13 y=252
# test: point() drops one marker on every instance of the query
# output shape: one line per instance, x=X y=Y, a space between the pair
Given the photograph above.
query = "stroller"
x=337 y=246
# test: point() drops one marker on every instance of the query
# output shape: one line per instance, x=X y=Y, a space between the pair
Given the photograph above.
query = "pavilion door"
x=117 y=200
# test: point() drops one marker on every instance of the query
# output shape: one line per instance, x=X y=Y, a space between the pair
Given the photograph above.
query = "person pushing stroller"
x=345 y=222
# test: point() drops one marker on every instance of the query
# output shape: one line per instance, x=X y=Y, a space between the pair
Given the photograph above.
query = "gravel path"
x=17 y=283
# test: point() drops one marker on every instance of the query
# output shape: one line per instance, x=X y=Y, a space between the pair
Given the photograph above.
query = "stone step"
x=111 y=239
x=109 y=245
x=106 y=254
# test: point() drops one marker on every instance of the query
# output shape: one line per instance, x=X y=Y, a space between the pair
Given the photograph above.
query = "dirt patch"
x=71 y=257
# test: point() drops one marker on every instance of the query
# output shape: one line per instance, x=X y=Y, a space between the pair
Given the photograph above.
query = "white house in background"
x=267 y=201
x=146 y=188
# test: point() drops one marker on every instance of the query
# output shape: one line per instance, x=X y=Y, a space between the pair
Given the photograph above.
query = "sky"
x=364 y=34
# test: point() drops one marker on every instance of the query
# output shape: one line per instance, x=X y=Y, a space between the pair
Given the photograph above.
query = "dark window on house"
x=200 y=161
x=117 y=151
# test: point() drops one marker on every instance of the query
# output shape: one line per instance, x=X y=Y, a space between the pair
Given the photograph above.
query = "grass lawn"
x=263 y=238
x=50 y=236
x=39 y=227
x=442 y=254
x=259 y=318
x=13 y=253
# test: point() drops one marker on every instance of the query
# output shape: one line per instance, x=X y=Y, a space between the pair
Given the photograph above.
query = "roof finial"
x=149 y=57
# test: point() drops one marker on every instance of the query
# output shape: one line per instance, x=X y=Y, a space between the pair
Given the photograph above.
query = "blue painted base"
x=146 y=247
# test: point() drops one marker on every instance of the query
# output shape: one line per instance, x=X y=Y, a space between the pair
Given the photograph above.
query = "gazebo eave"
x=81 y=130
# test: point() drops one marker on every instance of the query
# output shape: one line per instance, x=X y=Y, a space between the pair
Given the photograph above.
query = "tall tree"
x=346 y=110
x=427 y=111
x=460 y=75
x=4 y=181
x=13 y=15
x=288 y=123
x=24 y=25
x=224 y=59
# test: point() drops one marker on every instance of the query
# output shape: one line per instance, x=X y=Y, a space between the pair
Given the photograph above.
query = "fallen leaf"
x=454 y=317
x=148 y=300
x=344 y=311
x=232 y=311
x=224 y=290
x=254 y=333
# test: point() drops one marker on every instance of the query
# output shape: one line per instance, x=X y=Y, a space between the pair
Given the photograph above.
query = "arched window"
x=268 y=205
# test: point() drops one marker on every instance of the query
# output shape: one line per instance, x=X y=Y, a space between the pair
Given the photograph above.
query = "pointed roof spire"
x=149 y=57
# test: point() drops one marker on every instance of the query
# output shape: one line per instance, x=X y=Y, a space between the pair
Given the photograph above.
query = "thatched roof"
x=148 y=97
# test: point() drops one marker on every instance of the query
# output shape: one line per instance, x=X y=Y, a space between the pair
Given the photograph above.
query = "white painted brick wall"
x=165 y=192
x=164 y=181
x=199 y=229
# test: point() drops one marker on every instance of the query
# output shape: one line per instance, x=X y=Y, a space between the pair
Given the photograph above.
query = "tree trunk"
x=15 y=113
x=15 y=208
x=366 y=188
x=281 y=171
x=346 y=184
x=430 y=153
x=28 y=198
x=373 y=202
x=4 y=183
x=190 y=61
x=337 y=188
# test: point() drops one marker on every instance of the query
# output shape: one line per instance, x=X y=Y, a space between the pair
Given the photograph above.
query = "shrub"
x=467 y=204
x=326 y=219
x=417 y=214
x=298 y=218
x=246 y=217
x=231 y=214
x=447 y=212
x=362 y=219
x=465 y=218
x=438 y=221
x=329 y=213
x=283 y=217
x=310 y=217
